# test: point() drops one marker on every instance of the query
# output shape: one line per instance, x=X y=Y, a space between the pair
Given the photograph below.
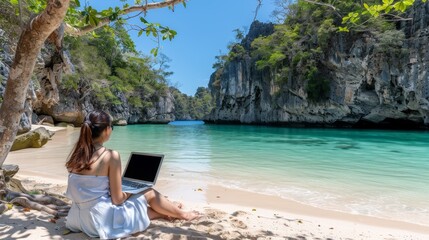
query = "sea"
x=381 y=173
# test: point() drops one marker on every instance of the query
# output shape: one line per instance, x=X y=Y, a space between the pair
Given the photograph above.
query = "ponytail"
x=95 y=123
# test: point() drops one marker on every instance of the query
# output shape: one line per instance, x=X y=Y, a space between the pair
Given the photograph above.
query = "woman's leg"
x=156 y=215
x=163 y=206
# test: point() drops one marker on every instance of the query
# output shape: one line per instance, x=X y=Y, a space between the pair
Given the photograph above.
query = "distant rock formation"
x=368 y=88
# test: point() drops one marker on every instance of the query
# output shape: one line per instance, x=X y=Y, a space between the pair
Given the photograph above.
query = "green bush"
x=317 y=86
x=70 y=82
x=390 y=40
x=135 y=101
x=237 y=52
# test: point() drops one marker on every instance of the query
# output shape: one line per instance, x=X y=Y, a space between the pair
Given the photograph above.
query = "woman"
x=100 y=208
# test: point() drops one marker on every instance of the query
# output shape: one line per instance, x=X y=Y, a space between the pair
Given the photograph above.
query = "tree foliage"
x=366 y=11
x=196 y=107
x=82 y=19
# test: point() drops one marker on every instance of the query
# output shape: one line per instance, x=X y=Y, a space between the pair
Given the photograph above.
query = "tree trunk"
x=29 y=45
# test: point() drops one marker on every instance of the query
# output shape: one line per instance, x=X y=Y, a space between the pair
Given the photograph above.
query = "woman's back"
x=84 y=188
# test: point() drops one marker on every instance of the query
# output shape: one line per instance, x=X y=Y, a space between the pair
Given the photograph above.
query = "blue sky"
x=204 y=29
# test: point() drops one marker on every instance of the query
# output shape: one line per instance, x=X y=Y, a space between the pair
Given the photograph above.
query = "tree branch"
x=257 y=9
x=326 y=5
x=106 y=20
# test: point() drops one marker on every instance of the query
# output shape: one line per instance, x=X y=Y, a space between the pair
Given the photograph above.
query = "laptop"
x=141 y=172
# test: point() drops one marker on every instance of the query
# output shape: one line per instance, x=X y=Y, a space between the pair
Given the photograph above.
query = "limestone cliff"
x=46 y=96
x=368 y=85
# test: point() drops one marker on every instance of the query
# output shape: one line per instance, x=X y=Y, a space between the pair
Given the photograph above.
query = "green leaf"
x=366 y=6
x=143 y=20
x=93 y=20
x=408 y=2
x=154 y=51
x=400 y=6
x=354 y=20
x=343 y=29
x=388 y=9
x=95 y=34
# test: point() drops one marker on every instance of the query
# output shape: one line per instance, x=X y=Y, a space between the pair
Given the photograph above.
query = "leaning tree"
x=53 y=19
x=49 y=24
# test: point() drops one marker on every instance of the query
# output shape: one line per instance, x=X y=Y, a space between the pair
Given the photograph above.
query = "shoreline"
x=42 y=168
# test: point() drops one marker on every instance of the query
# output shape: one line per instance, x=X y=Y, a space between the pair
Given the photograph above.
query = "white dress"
x=93 y=212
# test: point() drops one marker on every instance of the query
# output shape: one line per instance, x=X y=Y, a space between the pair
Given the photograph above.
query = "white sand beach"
x=228 y=213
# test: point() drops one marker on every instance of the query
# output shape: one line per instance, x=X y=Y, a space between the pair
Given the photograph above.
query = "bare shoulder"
x=113 y=156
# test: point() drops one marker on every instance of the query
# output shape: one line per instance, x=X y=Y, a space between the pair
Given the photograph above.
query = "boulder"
x=64 y=124
x=9 y=171
x=24 y=124
x=33 y=139
x=45 y=119
x=121 y=122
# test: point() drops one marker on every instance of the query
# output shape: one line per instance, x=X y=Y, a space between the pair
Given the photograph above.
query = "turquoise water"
x=371 y=172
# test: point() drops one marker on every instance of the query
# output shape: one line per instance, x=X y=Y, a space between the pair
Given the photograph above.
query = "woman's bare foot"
x=192 y=215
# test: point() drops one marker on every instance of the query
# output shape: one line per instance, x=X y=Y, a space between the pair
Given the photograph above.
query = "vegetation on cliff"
x=109 y=64
x=192 y=107
x=296 y=50
x=110 y=59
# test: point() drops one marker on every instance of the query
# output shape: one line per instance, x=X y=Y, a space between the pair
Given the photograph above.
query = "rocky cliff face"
x=6 y=59
x=161 y=112
x=369 y=85
x=47 y=97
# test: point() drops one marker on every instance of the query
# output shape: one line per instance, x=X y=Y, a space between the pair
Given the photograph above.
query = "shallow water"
x=371 y=172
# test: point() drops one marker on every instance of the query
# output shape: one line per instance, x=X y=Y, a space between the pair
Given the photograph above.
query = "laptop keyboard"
x=133 y=184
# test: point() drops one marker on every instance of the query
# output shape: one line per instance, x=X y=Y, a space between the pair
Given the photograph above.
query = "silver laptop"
x=141 y=172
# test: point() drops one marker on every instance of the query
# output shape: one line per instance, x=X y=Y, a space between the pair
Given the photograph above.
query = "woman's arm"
x=115 y=181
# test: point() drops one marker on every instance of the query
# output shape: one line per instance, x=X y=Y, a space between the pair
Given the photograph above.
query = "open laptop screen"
x=143 y=167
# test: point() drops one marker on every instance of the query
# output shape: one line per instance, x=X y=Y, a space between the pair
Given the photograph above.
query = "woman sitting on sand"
x=100 y=208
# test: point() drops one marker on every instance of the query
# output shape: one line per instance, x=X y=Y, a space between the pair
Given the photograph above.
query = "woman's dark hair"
x=94 y=124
